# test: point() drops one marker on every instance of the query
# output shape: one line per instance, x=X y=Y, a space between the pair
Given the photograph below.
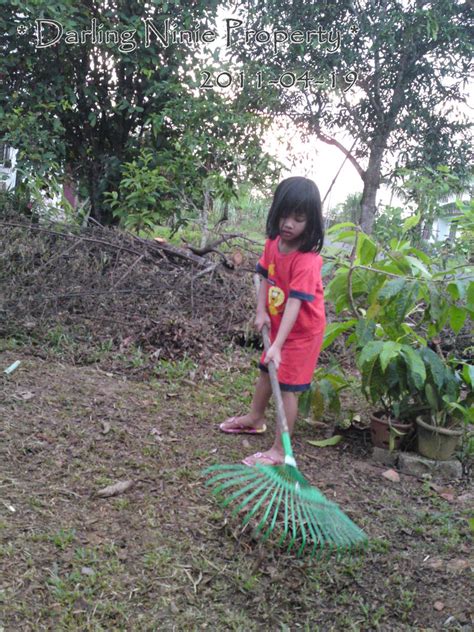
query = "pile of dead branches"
x=103 y=286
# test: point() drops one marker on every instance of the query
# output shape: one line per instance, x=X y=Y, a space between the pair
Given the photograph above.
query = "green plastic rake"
x=280 y=497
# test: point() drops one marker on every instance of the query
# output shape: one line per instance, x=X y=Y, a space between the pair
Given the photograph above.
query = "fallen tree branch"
x=58 y=256
x=124 y=276
x=151 y=244
x=70 y=236
x=211 y=247
x=211 y=268
x=101 y=284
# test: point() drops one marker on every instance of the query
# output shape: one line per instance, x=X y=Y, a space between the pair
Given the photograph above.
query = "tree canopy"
x=391 y=75
x=387 y=72
x=88 y=104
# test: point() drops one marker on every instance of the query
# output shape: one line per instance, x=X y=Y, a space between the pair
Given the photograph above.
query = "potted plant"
x=397 y=301
x=445 y=404
x=391 y=373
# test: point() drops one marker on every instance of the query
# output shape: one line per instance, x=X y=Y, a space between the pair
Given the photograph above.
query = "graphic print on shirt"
x=276 y=299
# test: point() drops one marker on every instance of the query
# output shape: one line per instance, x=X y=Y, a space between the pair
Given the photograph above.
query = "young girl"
x=291 y=302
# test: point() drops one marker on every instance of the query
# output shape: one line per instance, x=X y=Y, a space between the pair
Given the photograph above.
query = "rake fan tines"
x=280 y=497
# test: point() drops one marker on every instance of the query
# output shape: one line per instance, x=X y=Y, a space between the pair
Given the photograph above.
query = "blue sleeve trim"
x=261 y=270
x=301 y=295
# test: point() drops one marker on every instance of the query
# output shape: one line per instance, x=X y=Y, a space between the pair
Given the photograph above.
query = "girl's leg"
x=276 y=454
x=256 y=417
x=261 y=397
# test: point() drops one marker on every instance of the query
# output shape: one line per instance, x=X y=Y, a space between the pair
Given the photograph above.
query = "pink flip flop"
x=241 y=429
x=252 y=460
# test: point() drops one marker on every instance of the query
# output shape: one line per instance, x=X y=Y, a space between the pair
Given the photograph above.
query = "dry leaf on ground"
x=457 y=565
x=392 y=476
x=115 y=489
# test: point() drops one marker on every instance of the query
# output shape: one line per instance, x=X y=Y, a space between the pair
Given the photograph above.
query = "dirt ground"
x=163 y=555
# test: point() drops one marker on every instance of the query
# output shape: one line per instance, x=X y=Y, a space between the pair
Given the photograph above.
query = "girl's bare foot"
x=245 y=424
x=270 y=457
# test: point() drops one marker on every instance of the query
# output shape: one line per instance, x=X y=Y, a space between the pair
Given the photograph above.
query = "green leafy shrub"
x=324 y=394
x=144 y=197
x=396 y=302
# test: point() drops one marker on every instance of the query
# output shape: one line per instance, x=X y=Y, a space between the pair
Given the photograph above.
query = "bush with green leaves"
x=408 y=382
x=144 y=197
x=388 y=223
x=391 y=374
x=447 y=395
x=463 y=245
x=395 y=305
x=324 y=394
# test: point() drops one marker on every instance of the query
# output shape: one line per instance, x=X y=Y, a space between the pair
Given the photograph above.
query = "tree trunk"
x=225 y=213
x=371 y=186
x=96 y=212
x=452 y=231
x=355 y=212
x=96 y=185
x=206 y=209
x=427 y=229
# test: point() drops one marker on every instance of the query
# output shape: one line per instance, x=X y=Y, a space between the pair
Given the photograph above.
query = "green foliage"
x=333 y=330
x=399 y=301
x=409 y=65
x=442 y=390
x=408 y=381
x=37 y=195
x=144 y=196
x=323 y=395
x=408 y=294
x=250 y=206
x=323 y=443
x=347 y=211
x=463 y=245
x=427 y=189
x=104 y=104
x=63 y=538
x=14 y=202
x=389 y=373
x=215 y=149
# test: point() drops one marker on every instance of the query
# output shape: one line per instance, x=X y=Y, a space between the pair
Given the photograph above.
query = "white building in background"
x=50 y=204
x=443 y=226
x=7 y=167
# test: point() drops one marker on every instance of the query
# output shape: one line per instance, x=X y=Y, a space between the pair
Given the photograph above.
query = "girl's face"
x=292 y=227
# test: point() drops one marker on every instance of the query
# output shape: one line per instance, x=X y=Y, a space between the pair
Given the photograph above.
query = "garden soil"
x=162 y=555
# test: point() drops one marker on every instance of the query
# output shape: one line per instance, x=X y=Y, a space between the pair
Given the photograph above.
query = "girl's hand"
x=274 y=353
x=261 y=319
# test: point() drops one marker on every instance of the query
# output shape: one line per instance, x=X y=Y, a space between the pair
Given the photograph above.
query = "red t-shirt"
x=293 y=275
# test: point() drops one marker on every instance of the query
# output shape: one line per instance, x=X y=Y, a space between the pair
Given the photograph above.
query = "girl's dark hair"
x=298 y=195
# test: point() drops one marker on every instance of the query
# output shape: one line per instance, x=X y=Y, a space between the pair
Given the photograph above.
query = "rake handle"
x=281 y=416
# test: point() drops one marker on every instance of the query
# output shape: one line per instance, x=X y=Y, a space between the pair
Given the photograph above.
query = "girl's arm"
x=290 y=314
x=262 y=295
x=262 y=317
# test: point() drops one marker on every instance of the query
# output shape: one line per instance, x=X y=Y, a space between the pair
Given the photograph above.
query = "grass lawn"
x=163 y=555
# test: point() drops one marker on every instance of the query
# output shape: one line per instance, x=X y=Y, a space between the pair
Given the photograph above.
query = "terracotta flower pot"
x=437 y=443
x=380 y=431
